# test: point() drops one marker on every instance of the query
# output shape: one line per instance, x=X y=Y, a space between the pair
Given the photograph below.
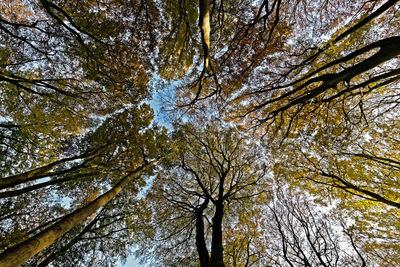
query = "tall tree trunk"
x=31 y=175
x=366 y=20
x=347 y=186
x=20 y=253
x=351 y=30
x=204 y=24
x=200 y=240
x=70 y=244
x=25 y=190
x=45 y=171
x=217 y=257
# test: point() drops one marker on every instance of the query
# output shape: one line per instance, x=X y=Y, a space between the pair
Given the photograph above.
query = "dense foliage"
x=281 y=149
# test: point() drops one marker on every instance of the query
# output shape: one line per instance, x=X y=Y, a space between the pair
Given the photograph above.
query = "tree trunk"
x=20 y=253
x=347 y=185
x=32 y=174
x=388 y=48
x=24 y=190
x=204 y=24
x=200 y=240
x=70 y=244
x=44 y=171
x=217 y=257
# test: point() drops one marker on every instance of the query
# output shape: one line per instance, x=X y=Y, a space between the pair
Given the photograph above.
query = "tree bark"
x=25 y=190
x=31 y=175
x=217 y=259
x=20 y=253
x=204 y=24
x=44 y=171
x=70 y=244
x=388 y=48
x=200 y=240
x=347 y=185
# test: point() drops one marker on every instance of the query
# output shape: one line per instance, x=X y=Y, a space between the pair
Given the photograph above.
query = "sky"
x=130 y=262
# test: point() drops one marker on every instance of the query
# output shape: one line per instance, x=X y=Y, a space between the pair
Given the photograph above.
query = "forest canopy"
x=200 y=133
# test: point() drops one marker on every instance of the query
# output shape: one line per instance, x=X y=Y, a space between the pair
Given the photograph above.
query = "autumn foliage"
x=199 y=133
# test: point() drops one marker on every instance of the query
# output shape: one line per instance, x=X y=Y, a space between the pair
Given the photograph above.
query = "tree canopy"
x=281 y=147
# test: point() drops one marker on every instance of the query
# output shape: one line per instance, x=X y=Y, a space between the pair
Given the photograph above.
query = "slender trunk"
x=347 y=185
x=9 y=125
x=205 y=30
x=32 y=174
x=204 y=24
x=45 y=171
x=217 y=257
x=200 y=240
x=389 y=48
x=20 y=253
x=22 y=191
x=367 y=19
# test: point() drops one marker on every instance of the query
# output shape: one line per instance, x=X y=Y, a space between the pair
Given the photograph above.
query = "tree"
x=248 y=31
x=101 y=241
x=308 y=88
x=316 y=81
x=64 y=64
x=211 y=180
x=23 y=251
x=302 y=235
x=342 y=70
x=65 y=67
x=132 y=145
x=359 y=169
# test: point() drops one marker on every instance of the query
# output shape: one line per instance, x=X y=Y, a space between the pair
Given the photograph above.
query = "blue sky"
x=131 y=262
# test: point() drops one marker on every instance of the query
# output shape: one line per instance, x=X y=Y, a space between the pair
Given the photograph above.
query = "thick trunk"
x=70 y=244
x=217 y=259
x=200 y=240
x=20 y=253
x=351 y=30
